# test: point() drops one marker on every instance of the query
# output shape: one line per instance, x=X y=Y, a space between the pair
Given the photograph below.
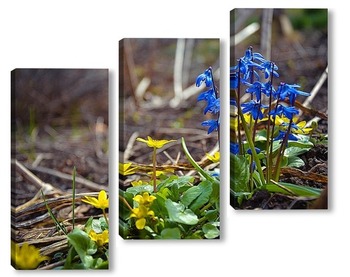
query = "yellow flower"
x=137 y=183
x=101 y=202
x=141 y=213
x=27 y=256
x=145 y=199
x=100 y=239
x=214 y=158
x=127 y=169
x=154 y=143
x=161 y=172
x=300 y=127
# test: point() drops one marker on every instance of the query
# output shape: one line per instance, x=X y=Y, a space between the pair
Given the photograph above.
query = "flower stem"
x=105 y=216
x=281 y=152
x=154 y=175
x=248 y=135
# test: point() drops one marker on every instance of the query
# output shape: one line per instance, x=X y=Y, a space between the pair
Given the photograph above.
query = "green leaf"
x=171 y=233
x=295 y=162
x=178 y=213
x=83 y=245
x=292 y=189
x=190 y=195
x=206 y=189
x=211 y=215
x=239 y=173
x=210 y=231
x=140 y=189
x=295 y=151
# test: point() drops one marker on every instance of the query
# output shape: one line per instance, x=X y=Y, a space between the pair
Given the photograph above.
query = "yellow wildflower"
x=102 y=202
x=154 y=143
x=100 y=239
x=127 y=169
x=141 y=213
x=137 y=183
x=214 y=158
x=145 y=199
x=26 y=256
x=161 y=172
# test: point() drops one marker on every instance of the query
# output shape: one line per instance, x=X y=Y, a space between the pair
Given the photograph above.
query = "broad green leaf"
x=212 y=215
x=83 y=245
x=206 y=189
x=295 y=151
x=210 y=231
x=171 y=233
x=178 y=213
x=239 y=173
x=295 y=162
x=190 y=195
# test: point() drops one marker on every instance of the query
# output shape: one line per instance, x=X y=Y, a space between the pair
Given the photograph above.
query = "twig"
x=80 y=180
x=128 y=150
x=245 y=33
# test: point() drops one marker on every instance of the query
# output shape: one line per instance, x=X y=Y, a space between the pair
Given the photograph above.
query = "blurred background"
x=59 y=120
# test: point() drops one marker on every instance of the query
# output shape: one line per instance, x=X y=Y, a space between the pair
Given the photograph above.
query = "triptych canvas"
x=175 y=133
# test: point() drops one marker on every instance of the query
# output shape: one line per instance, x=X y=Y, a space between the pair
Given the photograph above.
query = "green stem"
x=105 y=216
x=195 y=165
x=154 y=175
x=251 y=145
x=281 y=152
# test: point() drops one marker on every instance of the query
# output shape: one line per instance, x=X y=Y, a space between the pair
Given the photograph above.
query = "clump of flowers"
x=211 y=96
x=142 y=211
x=257 y=154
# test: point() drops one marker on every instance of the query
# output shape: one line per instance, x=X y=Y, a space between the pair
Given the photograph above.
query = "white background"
x=85 y=34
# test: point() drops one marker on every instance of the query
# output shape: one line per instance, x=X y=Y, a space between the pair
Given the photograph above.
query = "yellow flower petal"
x=127 y=169
x=102 y=202
x=27 y=256
x=154 y=143
x=214 y=158
x=140 y=223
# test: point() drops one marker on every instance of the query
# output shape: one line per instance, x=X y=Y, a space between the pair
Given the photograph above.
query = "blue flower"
x=254 y=108
x=288 y=112
x=234 y=148
x=267 y=67
x=213 y=125
x=257 y=150
x=206 y=95
x=257 y=88
x=284 y=90
x=282 y=134
x=206 y=77
x=213 y=106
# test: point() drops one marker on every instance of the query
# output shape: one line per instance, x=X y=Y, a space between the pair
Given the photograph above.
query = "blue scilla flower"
x=211 y=97
x=257 y=150
x=288 y=112
x=284 y=90
x=254 y=108
x=234 y=148
x=267 y=67
x=212 y=124
x=207 y=77
x=213 y=106
x=258 y=87
x=282 y=134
